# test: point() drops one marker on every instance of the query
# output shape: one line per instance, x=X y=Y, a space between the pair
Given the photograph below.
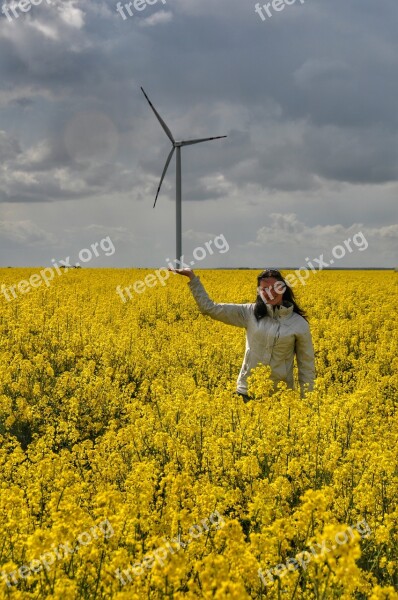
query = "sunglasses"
x=279 y=288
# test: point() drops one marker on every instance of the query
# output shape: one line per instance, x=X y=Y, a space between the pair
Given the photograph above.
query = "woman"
x=276 y=329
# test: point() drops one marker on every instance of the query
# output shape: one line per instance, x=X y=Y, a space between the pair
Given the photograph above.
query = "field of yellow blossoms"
x=131 y=470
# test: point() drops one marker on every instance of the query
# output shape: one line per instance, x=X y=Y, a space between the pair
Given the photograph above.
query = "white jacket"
x=273 y=341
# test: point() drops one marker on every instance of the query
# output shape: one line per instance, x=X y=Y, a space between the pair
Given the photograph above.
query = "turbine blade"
x=166 y=166
x=163 y=124
x=190 y=142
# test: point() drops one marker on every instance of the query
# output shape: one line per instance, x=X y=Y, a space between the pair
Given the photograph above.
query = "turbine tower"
x=176 y=146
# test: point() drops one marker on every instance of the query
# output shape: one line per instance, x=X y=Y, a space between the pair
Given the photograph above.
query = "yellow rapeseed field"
x=130 y=469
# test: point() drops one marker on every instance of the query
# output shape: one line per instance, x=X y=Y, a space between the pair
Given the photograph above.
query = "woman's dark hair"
x=260 y=310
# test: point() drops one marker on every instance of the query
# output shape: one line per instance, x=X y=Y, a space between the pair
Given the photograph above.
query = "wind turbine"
x=176 y=146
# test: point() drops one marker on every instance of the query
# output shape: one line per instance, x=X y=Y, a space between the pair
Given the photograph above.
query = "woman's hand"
x=187 y=272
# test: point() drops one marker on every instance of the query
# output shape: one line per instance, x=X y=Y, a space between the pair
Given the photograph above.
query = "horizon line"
x=73 y=267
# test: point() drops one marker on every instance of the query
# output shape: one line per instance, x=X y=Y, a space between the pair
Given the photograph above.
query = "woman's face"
x=272 y=290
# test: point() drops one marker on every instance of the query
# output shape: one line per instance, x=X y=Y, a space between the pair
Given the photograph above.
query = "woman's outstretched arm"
x=231 y=314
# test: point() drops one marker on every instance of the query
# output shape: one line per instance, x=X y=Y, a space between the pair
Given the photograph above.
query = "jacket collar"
x=283 y=311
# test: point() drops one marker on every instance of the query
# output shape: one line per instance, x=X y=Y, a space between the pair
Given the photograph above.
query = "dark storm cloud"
x=329 y=66
x=307 y=99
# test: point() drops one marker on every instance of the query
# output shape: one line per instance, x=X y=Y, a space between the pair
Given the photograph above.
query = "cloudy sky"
x=307 y=98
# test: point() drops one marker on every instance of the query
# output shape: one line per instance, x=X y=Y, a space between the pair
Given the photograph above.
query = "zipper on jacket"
x=276 y=337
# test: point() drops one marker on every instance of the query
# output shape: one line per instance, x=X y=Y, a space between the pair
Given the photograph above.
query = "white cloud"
x=197 y=236
x=49 y=31
x=295 y=241
x=23 y=94
x=117 y=234
x=288 y=229
x=9 y=147
x=26 y=233
x=158 y=18
x=313 y=70
x=71 y=15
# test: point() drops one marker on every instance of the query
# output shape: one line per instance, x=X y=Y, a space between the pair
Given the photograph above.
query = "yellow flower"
x=121 y=439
